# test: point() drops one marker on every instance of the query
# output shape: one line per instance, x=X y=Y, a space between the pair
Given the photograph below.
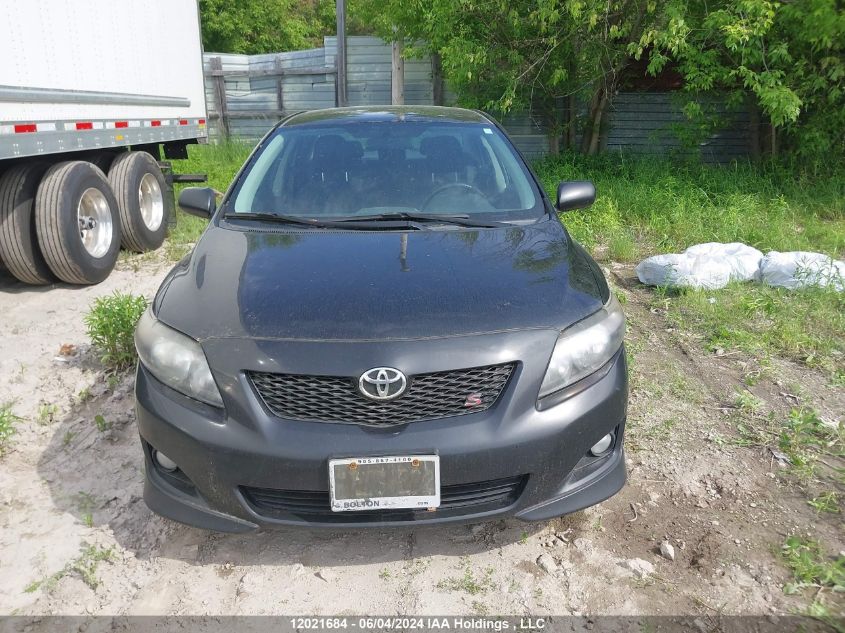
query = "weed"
x=7 y=426
x=68 y=438
x=84 y=395
x=85 y=566
x=111 y=327
x=102 y=424
x=384 y=573
x=479 y=607
x=747 y=402
x=810 y=567
x=46 y=413
x=469 y=582
x=622 y=248
x=805 y=438
x=826 y=502
x=660 y=431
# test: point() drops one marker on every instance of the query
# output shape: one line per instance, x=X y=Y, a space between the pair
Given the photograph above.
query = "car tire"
x=77 y=222
x=19 y=249
x=140 y=189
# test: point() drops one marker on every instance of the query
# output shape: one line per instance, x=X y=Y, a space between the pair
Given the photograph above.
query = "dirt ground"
x=68 y=483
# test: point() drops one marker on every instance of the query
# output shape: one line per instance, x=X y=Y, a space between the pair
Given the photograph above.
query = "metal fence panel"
x=259 y=89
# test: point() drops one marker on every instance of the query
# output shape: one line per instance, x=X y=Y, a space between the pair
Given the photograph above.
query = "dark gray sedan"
x=384 y=324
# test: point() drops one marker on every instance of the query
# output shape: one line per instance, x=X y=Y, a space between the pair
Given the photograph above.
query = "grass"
x=111 y=326
x=810 y=567
x=47 y=413
x=808 y=442
x=470 y=582
x=101 y=423
x=7 y=426
x=666 y=207
x=220 y=162
x=825 y=502
x=806 y=326
x=85 y=566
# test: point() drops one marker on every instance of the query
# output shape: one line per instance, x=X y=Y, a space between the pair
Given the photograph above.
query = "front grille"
x=455 y=500
x=337 y=399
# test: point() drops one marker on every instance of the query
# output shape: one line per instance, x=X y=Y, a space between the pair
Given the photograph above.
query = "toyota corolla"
x=384 y=324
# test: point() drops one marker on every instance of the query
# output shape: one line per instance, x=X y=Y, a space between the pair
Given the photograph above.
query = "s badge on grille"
x=382 y=383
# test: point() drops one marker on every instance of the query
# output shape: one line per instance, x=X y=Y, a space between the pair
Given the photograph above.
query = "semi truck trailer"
x=95 y=98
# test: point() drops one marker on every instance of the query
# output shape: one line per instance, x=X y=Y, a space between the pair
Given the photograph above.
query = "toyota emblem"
x=382 y=383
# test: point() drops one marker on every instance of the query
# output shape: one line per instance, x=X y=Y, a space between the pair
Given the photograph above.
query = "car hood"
x=267 y=282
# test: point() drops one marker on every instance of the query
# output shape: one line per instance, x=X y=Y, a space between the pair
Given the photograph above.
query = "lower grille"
x=337 y=399
x=455 y=500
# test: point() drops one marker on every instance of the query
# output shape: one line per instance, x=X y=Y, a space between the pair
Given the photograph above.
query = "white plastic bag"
x=800 y=269
x=744 y=260
x=685 y=271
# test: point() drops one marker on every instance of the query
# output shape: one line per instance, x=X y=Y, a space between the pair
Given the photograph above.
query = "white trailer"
x=92 y=95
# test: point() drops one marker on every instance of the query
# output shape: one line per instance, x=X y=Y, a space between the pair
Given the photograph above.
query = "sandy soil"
x=65 y=484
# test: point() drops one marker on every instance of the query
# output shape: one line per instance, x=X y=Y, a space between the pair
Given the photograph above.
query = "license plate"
x=382 y=483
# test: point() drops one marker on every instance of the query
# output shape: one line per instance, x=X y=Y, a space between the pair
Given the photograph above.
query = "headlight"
x=175 y=359
x=583 y=348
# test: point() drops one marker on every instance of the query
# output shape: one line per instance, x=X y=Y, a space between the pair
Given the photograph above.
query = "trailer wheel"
x=19 y=248
x=140 y=189
x=77 y=222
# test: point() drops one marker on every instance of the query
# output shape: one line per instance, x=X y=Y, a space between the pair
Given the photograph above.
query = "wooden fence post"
x=397 y=76
x=280 y=100
x=436 y=79
x=340 y=57
x=219 y=83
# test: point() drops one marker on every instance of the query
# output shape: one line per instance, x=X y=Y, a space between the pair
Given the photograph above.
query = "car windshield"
x=387 y=168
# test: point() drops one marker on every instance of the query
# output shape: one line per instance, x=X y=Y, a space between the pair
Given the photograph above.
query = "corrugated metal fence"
x=247 y=94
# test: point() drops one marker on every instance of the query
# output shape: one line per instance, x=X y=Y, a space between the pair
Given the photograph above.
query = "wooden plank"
x=220 y=105
x=273 y=72
x=280 y=95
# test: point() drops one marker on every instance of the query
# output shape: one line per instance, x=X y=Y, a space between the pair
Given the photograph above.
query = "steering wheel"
x=466 y=188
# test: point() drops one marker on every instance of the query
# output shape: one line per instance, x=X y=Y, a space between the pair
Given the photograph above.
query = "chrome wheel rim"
x=151 y=201
x=95 y=222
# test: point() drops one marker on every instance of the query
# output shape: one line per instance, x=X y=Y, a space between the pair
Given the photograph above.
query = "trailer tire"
x=140 y=188
x=19 y=248
x=77 y=221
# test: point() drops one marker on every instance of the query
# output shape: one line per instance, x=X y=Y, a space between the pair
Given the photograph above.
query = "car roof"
x=341 y=116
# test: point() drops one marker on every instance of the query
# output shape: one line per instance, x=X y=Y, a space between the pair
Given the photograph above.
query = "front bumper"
x=222 y=458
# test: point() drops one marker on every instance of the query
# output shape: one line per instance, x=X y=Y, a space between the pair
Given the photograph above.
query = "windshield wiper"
x=434 y=218
x=316 y=223
x=280 y=218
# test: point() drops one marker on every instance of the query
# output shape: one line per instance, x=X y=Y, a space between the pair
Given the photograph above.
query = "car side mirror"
x=575 y=194
x=198 y=201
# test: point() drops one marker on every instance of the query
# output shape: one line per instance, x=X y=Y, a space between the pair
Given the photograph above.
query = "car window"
x=363 y=168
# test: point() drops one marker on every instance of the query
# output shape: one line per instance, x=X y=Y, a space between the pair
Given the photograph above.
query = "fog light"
x=164 y=461
x=602 y=445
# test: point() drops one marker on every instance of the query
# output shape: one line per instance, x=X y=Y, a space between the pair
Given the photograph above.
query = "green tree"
x=537 y=55
x=264 y=26
x=788 y=56
x=784 y=58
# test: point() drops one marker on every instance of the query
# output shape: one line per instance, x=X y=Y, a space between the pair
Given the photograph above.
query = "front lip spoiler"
x=163 y=500
x=603 y=484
